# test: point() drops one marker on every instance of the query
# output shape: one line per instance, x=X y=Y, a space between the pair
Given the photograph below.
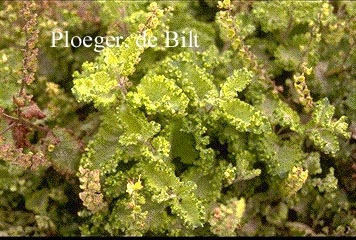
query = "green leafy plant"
x=251 y=133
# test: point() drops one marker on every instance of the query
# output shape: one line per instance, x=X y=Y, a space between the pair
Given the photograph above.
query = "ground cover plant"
x=242 y=123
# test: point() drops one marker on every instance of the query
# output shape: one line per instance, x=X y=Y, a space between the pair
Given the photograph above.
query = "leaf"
x=244 y=170
x=98 y=82
x=102 y=148
x=188 y=208
x=286 y=116
x=195 y=81
x=137 y=127
x=182 y=145
x=280 y=155
x=94 y=84
x=327 y=184
x=323 y=130
x=64 y=151
x=244 y=116
x=180 y=195
x=323 y=112
x=209 y=185
x=160 y=95
x=236 y=83
x=325 y=140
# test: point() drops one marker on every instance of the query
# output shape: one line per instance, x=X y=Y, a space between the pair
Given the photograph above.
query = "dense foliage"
x=250 y=133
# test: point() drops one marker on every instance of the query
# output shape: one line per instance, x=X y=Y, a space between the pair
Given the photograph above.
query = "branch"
x=6 y=129
x=24 y=122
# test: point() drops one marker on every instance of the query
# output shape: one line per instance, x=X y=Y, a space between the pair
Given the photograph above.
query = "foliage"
x=251 y=133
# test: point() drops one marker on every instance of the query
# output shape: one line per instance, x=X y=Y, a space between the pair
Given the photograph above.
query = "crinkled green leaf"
x=137 y=127
x=323 y=112
x=160 y=94
x=325 y=139
x=236 y=83
x=244 y=116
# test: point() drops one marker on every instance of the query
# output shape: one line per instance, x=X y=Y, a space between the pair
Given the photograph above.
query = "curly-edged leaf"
x=116 y=184
x=193 y=79
x=327 y=184
x=236 y=83
x=323 y=130
x=137 y=127
x=188 y=207
x=157 y=211
x=325 y=140
x=340 y=127
x=94 y=84
x=123 y=60
x=104 y=145
x=323 y=112
x=286 y=116
x=244 y=171
x=99 y=81
x=208 y=186
x=312 y=163
x=160 y=94
x=286 y=156
x=160 y=178
x=244 y=117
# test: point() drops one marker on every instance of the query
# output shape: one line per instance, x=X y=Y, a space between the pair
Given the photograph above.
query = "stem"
x=6 y=129
x=226 y=46
x=23 y=83
x=24 y=122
